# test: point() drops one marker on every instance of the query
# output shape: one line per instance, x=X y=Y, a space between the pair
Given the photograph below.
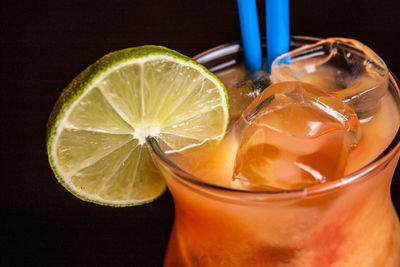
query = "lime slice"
x=96 y=133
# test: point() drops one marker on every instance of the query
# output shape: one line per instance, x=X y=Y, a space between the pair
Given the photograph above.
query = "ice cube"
x=242 y=87
x=293 y=135
x=343 y=66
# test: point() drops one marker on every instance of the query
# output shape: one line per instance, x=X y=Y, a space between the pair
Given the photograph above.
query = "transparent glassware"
x=347 y=222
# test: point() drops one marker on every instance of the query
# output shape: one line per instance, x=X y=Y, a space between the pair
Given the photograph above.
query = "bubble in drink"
x=293 y=135
x=341 y=66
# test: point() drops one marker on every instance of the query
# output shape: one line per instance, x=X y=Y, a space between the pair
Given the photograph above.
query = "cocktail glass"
x=347 y=222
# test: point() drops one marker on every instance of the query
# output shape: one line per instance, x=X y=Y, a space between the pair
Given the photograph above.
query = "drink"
x=348 y=221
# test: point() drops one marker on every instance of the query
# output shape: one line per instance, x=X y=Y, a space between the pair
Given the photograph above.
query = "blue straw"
x=277 y=19
x=250 y=34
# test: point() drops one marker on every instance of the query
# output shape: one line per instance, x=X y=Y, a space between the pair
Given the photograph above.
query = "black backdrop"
x=45 y=44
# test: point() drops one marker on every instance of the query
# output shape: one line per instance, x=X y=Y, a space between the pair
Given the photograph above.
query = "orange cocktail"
x=346 y=219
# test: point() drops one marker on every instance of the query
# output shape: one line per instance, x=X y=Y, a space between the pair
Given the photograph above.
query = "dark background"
x=45 y=44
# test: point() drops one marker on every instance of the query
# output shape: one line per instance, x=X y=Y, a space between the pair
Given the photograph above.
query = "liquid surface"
x=260 y=158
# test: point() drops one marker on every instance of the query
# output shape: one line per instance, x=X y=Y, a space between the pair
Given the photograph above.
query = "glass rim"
x=350 y=178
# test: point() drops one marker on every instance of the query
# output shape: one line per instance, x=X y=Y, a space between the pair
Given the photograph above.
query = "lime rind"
x=95 y=72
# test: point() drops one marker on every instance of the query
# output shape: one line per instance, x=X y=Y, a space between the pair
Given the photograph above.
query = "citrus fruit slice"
x=96 y=133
